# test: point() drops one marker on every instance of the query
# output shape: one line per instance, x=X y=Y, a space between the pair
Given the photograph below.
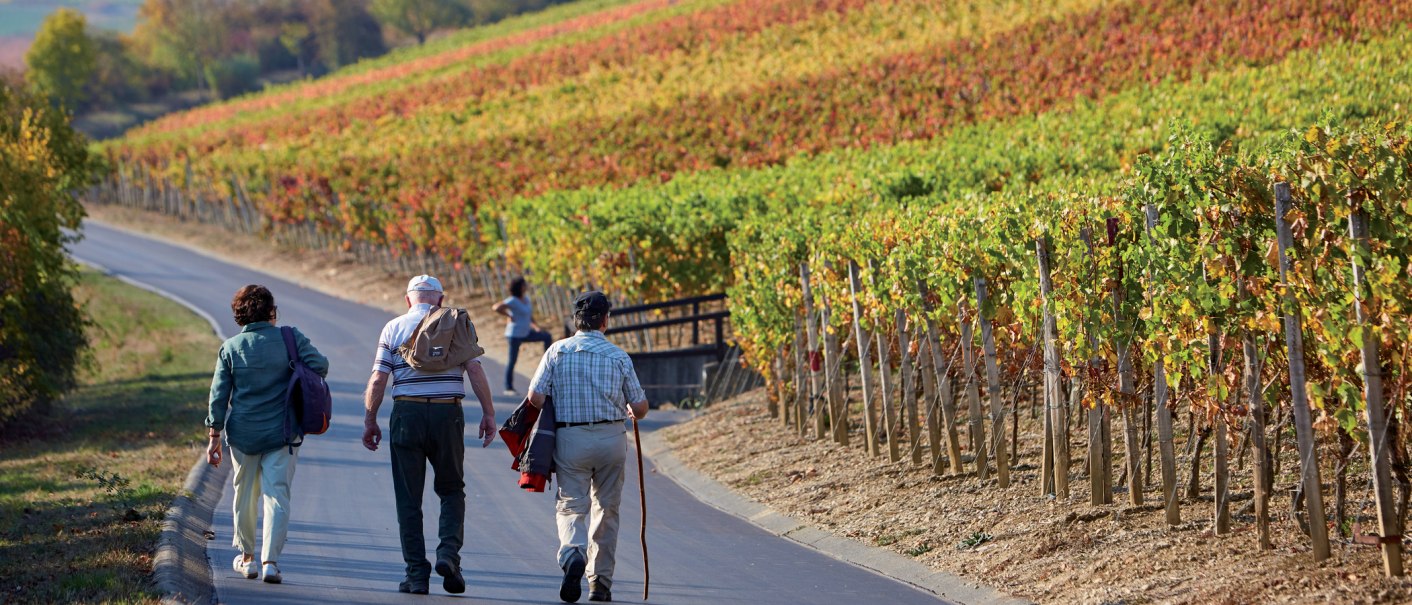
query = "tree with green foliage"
x=42 y=162
x=185 y=36
x=61 y=59
x=344 y=31
x=420 y=18
x=295 y=38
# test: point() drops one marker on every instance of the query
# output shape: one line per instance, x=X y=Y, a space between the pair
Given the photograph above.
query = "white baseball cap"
x=424 y=283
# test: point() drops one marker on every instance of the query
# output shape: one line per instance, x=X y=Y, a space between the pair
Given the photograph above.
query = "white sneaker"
x=245 y=567
x=510 y=393
x=272 y=574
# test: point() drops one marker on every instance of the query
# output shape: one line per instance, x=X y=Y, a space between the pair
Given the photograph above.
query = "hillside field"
x=1192 y=216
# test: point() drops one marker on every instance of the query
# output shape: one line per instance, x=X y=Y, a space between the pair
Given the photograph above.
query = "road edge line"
x=881 y=561
x=181 y=567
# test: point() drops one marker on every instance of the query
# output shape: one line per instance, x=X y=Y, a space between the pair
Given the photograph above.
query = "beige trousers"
x=589 y=462
x=262 y=478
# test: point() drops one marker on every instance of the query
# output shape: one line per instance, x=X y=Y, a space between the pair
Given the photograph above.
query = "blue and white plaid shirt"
x=589 y=378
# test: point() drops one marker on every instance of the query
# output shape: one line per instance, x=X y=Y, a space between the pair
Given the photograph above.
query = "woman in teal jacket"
x=248 y=403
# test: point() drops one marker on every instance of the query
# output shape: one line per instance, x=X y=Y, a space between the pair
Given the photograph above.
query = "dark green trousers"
x=433 y=433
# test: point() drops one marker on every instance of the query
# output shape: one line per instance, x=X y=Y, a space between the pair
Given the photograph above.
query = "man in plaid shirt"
x=595 y=389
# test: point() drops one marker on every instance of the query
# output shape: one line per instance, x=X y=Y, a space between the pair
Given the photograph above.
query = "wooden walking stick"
x=642 y=494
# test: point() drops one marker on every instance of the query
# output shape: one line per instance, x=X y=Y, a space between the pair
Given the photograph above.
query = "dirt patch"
x=1025 y=544
x=333 y=273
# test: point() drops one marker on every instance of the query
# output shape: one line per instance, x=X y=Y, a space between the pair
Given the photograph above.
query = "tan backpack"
x=444 y=339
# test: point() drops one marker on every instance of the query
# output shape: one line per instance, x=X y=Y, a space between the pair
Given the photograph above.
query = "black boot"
x=599 y=592
x=451 y=578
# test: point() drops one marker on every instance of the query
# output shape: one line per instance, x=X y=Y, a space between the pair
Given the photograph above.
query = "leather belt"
x=560 y=425
x=451 y=400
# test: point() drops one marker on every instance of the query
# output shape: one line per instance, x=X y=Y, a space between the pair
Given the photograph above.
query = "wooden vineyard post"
x=1055 y=409
x=815 y=371
x=1221 y=449
x=1389 y=527
x=1127 y=385
x=942 y=368
x=885 y=385
x=1299 y=395
x=908 y=402
x=1100 y=438
x=865 y=364
x=1222 y=496
x=833 y=374
x=1167 y=450
x=1256 y=403
x=992 y=371
x=775 y=404
x=801 y=376
x=974 y=419
x=930 y=395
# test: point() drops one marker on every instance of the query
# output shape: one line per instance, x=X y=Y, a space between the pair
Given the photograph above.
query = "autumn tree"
x=42 y=162
x=61 y=60
x=344 y=31
x=420 y=18
x=185 y=36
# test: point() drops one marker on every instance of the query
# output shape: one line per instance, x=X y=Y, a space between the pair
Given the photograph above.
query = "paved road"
x=343 y=544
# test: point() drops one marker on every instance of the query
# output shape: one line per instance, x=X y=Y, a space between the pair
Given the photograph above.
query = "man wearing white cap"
x=427 y=426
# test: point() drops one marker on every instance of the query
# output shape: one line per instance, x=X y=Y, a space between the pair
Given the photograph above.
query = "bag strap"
x=411 y=338
x=289 y=346
x=293 y=350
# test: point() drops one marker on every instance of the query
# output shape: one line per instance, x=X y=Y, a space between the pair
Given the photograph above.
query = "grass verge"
x=83 y=488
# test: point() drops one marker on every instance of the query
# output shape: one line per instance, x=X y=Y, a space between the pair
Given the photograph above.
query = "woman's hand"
x=213 y=451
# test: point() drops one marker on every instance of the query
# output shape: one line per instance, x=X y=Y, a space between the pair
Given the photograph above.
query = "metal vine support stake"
x=1056 y=411
x=1388 y=523
x=1164 y=416
x=992 y=370
x=1299 y=394
x=865 y=364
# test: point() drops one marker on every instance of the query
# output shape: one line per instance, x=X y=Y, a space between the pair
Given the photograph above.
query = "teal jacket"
x=247 y=390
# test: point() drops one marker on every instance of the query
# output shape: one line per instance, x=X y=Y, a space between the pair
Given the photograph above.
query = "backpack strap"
x=289 y=421
x=289 y=345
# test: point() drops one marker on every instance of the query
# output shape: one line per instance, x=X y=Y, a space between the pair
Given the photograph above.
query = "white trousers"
x=589 y=463
x=262 y=478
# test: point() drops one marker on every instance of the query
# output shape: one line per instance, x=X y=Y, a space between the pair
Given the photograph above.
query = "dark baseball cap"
x=592 y=302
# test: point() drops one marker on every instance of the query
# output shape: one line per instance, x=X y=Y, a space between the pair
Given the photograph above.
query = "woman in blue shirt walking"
x=521 y=327
x=248 y=403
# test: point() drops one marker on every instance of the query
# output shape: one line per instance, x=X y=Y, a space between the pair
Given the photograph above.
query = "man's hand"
x=213 y=451
x=372 y=434
x=487 y=430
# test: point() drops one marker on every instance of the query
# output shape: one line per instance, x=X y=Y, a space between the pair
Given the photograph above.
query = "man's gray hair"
x=429 y=297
